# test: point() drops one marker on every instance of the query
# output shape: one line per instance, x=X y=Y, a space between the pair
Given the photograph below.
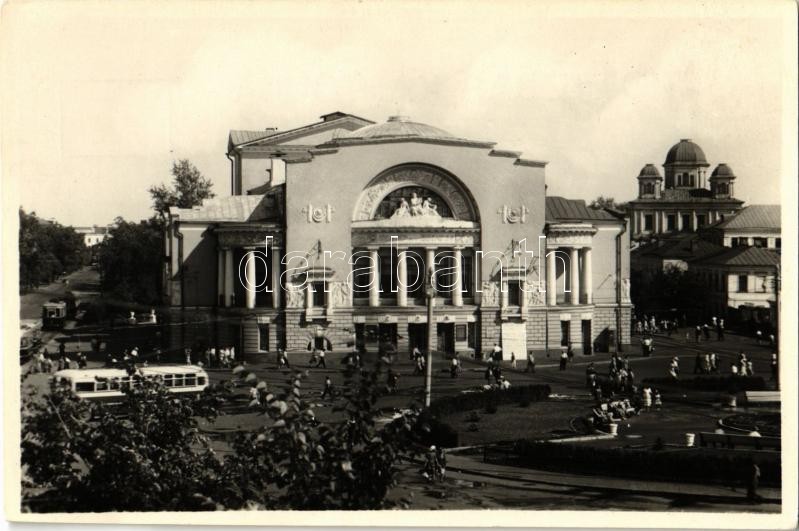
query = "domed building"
x=683 y=199
x=336 y=234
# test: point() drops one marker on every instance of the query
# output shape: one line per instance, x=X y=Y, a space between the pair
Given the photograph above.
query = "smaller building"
x=92 y=235
x=742 y=284
x=674 y=251
x=753 y=226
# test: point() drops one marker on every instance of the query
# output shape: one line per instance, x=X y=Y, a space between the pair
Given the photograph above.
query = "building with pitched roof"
x=753 y=225
x=686 y=200
x=742 y=283
x=332 y=228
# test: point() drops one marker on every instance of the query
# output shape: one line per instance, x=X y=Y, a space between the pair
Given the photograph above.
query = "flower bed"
x=484 y=399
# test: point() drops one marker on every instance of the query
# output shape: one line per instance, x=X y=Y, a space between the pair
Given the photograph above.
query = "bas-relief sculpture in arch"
x=443 y=184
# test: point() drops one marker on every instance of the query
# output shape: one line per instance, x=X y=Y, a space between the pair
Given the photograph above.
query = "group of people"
x=43 y=361
x=706 y=364
x=651 y=325
x=704 y=331
x=743 y=366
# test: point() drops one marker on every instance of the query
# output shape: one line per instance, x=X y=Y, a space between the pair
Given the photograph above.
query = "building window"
x=318 y=297
x=691 y=181
x=701 y=220
x=743 y=283
x=467 y=274
x=762 y=283
x=514 y=293
x=445 y=259
x=686 y=222
x=778 y=243
x=388 y=274
x=649 y=222
x=263 y=337
x=671 y=222
x=760 y=242
x=564 y=333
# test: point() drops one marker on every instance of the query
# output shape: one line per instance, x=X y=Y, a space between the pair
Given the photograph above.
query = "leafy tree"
x=189 y=189
x=675 y=288
x=86 y=458
x=46 y=250
x=605 y=202
x=130 y=261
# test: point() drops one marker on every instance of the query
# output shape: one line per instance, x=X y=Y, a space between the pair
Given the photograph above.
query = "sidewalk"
x=508 y=475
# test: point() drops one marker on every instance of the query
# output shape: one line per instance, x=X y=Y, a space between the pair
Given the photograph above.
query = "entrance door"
x=417 y=336
x=446 y=338
x=587 y=337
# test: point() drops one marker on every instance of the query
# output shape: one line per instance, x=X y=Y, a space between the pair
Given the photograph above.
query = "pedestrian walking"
x=646 y=395
x=657 y=400
x=774 y=367
x=570 y=351
x=530 y=362
x=750 y=369
x=322 y=358
x=564 y=358
x=706 y=331
x=754 y=480
x=714 y=365
x=698 y=363
x=706 y=366
x=391 y=381
x=512 y=360
x=328 y=390
x=453 y=368
x=698 y=333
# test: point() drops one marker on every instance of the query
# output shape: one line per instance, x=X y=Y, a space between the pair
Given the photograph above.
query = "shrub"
x=710 y=383
x=701 y=466
x=481 y=400
x=430 y=430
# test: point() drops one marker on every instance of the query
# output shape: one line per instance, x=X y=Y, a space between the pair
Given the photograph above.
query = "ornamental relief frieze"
x=569 y=240
x=376 y=191
x=246 y=238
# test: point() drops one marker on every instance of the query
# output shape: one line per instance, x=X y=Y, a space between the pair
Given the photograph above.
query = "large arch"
x=445 y=185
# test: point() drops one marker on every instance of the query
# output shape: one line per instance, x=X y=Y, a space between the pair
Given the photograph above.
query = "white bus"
x=107 y=384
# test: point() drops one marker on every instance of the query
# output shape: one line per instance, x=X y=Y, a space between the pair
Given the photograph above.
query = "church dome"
x=722 y=171
x=685 y=152
x=650 y=170
x=399 y=127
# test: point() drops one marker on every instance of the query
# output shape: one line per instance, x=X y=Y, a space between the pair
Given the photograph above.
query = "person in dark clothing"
x=328 y=391
x=753 y=482
x=564 y=358
x=570 y=352
x=698 y=364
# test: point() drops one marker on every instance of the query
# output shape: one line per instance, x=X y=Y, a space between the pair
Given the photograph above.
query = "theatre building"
x=332 y=228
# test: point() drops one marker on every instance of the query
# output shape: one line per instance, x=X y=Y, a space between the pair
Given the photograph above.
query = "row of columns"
x=227 y=271
x=402 y=275
x=660 y=220
x=581 y=284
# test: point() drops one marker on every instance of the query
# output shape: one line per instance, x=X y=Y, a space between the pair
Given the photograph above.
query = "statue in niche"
x=417 y=207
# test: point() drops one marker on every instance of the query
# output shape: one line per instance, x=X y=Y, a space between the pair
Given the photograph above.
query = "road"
x=84 y=283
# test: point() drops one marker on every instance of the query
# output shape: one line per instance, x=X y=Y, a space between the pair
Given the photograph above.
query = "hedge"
x=482 y=399
x=430 y=430
x=709 y=383
x=700 y=466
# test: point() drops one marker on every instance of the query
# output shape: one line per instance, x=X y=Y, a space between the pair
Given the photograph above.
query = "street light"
x=431 y=296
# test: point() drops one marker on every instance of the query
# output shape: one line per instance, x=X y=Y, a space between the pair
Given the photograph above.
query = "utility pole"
x=431 y=297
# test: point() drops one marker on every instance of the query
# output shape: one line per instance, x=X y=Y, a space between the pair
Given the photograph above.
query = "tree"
x=189 y=189
x=130 y=261
x=88 y=457
x=84 y=457
x=605 y=202
x=46 y=250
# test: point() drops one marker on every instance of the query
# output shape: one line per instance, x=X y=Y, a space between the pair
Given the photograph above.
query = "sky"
x=100 y=98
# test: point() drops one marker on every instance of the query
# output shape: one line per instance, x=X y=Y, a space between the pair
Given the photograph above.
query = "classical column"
x=220 y=277
x=457 y=292
x=679 y=221
x=664 y=222
x=402 y=278
x=693 y=220
x=250 y=282
x=275 y=266
x=586 y=283
x=374 y=285
x=503 y=294
x=574 y=271
x=552 y=295
x=228 y=277
x=523 y=297
x=309 y=295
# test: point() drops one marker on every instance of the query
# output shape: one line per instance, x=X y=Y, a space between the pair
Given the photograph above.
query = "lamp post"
x=431 y=296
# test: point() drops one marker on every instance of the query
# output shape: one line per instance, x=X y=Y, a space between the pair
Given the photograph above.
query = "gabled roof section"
x=562 y=209
x=741 y=257
x=237 y=208
x=754 y=217
x=335 y=120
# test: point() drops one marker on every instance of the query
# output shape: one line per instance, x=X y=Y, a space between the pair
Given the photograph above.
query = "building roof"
x=722 y=171
x=562 y=209
x=684 y=246
x=741 y=256
x=650 y=170
x=754 y=217
x=685 y=152
x=272 y=135
x=236 y=208
x=397 y=127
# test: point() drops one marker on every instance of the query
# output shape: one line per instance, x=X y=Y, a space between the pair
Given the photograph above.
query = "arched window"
x=415 y=197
